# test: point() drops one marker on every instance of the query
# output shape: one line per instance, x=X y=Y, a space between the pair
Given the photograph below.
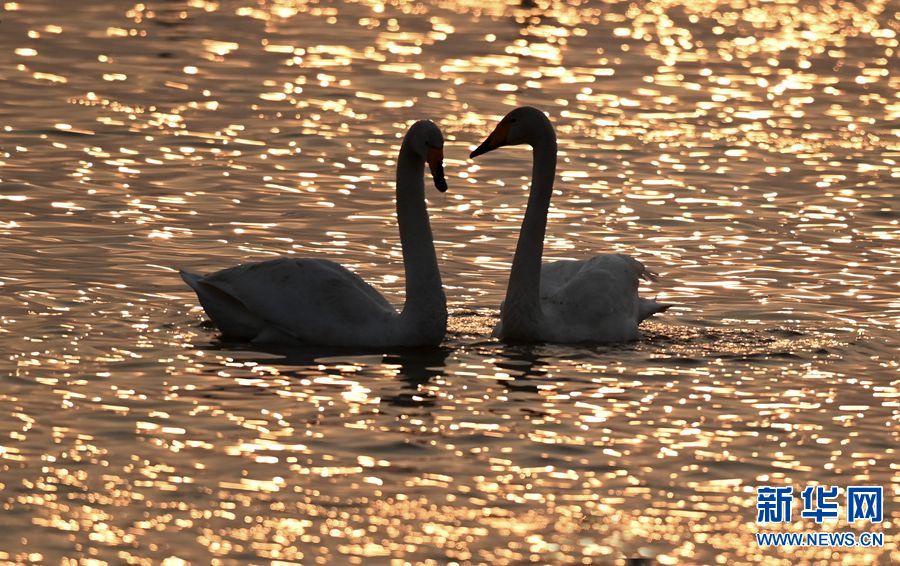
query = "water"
x=746 y=150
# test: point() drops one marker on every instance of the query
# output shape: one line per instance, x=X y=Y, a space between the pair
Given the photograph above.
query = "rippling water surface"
x=746 y=150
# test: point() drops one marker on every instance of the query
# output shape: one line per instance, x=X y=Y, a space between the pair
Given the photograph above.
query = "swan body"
x=611 y=314
x=318 y=301
x=593 y=300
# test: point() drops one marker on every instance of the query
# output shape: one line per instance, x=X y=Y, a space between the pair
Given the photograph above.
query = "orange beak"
x=493 y=141
x=435 y=159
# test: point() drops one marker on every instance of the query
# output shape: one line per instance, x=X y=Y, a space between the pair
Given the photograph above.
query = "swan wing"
x=556 y=274
x=307 y=300
x=595 y=299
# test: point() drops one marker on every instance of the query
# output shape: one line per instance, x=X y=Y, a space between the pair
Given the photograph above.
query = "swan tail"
x=192 y=279
x=648 y=275
x=639 y=269
x=228 y=313
x=650 y=307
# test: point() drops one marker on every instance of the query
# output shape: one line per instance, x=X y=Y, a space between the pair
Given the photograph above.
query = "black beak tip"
x=440 y=184
x=482 y=149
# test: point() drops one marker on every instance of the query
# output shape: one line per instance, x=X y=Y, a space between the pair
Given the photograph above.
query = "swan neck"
x=523 y=292
x=425 y=303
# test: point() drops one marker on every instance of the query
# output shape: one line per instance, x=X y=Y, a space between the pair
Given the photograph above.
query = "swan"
x=320 y=302
x=592 y=300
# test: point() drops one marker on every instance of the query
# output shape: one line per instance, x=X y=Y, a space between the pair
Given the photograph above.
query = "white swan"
x=317 y=301
x=594 y=300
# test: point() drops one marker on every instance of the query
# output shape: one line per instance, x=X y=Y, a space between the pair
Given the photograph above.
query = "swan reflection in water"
x=526 y=365
x=415 y=367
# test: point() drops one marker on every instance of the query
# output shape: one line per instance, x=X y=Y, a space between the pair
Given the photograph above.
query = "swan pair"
x=317 y=301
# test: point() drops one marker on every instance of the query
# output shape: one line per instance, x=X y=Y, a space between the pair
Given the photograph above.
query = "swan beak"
x=493 y=141
x=435 y=161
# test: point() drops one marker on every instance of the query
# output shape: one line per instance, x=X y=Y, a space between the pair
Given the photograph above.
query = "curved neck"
x=425 y=301
x=522 y=305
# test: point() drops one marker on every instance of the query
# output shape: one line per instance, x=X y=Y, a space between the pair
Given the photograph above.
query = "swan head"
x=426 y=140
x=524 y=125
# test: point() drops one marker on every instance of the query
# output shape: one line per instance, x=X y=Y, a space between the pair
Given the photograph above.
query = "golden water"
x=747 y=150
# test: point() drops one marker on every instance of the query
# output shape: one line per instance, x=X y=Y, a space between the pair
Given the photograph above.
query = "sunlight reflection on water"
x=746 y=150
